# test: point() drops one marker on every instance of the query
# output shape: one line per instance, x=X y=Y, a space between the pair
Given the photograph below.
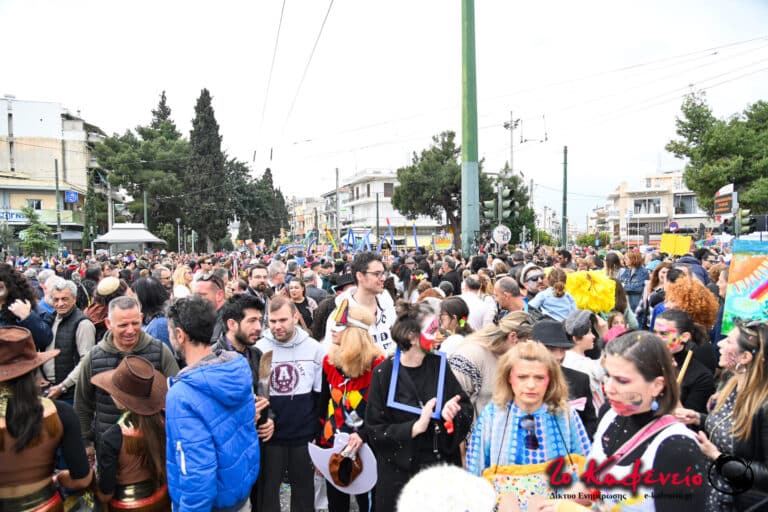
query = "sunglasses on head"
x=214 y=279
x=528 y=423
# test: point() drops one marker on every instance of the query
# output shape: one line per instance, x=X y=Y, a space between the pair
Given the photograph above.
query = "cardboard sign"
x=676 y=245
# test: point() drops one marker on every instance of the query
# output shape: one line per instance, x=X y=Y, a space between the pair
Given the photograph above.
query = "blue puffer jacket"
x=212 y=448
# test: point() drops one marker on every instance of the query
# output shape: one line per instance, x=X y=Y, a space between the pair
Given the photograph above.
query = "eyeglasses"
x=528 y=423
x=535 y=277
x=213 y=278
x=378 y=274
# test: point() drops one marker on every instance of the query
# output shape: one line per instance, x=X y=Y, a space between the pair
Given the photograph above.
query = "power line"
x=306 y=68
x=271 y=68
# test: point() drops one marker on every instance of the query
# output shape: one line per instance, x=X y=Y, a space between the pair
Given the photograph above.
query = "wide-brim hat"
x=551 y=333
x=135 y=384
x=364 y=482
x=18 y=354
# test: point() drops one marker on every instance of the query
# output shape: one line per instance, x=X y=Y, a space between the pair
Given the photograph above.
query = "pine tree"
x=204 y=178
x=162 y=113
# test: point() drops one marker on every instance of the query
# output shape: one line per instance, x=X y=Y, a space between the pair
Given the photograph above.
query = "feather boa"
x=592 y=290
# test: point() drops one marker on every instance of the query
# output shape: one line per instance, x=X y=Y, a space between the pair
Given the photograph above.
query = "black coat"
x=755 y=451
x=578 y=387
x=698 y=383
x=398 y=455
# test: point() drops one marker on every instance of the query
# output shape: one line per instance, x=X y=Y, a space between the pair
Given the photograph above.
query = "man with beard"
x=294 y=395
x=258 y=286
x=242 y=315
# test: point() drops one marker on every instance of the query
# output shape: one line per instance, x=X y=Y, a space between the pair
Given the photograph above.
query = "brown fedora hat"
x=135 y=384
x=18 y=354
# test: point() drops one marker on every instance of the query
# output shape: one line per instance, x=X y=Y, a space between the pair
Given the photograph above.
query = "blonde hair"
x=356 y=350
x=494 y=337
x=556 y=396
x=178 y=275
x=753 y=396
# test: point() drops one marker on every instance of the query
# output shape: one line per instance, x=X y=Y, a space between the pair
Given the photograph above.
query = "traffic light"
x=727 y=227
x=506 y=203
x=490 y=211
x=747 y=222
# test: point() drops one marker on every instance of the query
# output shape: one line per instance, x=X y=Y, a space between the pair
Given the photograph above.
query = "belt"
x=46 y=499
x=140 y=496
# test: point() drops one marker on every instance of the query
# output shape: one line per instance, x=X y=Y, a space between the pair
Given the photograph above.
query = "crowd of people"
x=552 y=379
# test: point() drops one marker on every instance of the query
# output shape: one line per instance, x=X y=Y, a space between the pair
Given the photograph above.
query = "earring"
x=740 y=368
x=654 y=405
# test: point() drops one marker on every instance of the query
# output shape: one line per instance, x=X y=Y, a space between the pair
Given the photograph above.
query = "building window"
x=648 y=206
x=36 y=204
x=686 y=204
x=368 y=190
x=389 y=189
x=357 y=192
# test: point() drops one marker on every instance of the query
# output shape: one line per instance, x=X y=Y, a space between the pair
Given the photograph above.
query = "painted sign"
x=746 y=296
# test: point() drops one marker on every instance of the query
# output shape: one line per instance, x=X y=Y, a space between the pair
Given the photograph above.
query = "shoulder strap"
x=642 y=435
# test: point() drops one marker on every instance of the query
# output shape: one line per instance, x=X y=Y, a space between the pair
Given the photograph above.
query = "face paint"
x=626 y=404
x=675 y=343
x=429 y=338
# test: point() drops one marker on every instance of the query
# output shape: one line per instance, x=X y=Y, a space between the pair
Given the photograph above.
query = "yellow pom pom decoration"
x=592 y=290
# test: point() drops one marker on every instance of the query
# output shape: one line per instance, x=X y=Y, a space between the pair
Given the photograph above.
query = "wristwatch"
x=63 y=388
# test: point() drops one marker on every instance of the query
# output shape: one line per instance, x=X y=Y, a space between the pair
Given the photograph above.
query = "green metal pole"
x=564 y=227
x=58 y=208
x=470 y=187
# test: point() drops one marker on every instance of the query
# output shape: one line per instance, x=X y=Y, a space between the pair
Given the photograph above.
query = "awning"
x=128 y=233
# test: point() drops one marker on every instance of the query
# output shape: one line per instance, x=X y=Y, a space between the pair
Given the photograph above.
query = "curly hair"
x=693 y=297
x=17 y=287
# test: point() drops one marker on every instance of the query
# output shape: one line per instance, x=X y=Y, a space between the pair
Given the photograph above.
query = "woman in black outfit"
x=681 y=334
x=32 y=429
x=297 y=291
x=426 y=418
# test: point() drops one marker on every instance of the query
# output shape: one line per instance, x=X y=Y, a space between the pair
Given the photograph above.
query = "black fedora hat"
x=551 y=333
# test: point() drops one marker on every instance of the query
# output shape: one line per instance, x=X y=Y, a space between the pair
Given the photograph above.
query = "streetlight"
x=178 y=233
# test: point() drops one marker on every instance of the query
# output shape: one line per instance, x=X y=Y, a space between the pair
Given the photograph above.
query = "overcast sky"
x=605 y=78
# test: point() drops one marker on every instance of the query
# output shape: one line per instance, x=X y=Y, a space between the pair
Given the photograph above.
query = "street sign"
x=501 y=234
x=630 y=213
x=673 y=226
x=723 y=204
x=70 y=196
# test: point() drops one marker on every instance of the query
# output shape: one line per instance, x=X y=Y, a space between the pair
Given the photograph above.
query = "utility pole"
x=377 y=217
x=564 y=227
x=110 y=210
x=58 y=208
x=511 y=125
x=146 y=217
x=470 y=193
x=338 y=208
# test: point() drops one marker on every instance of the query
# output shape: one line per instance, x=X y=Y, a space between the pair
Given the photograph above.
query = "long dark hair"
x=26 y=422
x=152 y=428
x=152 y=296
x=17 y=287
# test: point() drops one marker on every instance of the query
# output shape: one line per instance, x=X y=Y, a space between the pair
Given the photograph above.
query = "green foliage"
x=151 y=160
x=167 y=232
x=204 y=179
x=588 y=239
x=431 y=185
x=523 y=214
x=543 y=238
x=720 y=152
x=7 y=237
x=38 y=237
